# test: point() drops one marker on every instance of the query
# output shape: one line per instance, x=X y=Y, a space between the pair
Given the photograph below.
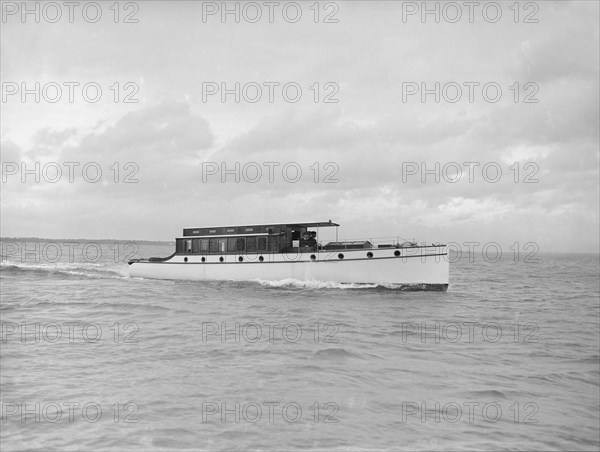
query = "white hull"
x=421 y=267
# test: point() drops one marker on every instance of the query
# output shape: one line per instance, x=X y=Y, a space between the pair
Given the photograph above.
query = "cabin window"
x=274 y=243
x=251 y=244
x=249 y=229
x=179 y=248
x=262 y=243
x=231 y=230
x=214 y=245
x=212 y=231
x=188 y=246
x=222 y=245
x=240 y=244
x=195 y=246
x=204 y=246
x=231 y=241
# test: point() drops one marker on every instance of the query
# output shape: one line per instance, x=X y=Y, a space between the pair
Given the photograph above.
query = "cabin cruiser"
x=293 y=251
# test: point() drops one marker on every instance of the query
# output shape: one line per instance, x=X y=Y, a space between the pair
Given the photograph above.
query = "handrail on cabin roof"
x=318 y=224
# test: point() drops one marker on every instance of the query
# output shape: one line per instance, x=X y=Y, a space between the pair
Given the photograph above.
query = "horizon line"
x=173 y=241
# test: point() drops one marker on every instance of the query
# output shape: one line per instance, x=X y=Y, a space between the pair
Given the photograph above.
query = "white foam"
x=312 y=284
x=89 y=269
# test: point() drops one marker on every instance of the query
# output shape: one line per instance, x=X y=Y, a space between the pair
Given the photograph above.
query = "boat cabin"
x=263 y=238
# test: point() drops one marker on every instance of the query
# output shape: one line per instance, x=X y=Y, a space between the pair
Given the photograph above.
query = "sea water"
x=92 y=359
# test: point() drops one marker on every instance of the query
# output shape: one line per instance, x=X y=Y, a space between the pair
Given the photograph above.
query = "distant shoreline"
x=172 y=243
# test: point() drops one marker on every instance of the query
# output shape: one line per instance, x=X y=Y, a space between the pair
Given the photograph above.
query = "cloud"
x=547 y=150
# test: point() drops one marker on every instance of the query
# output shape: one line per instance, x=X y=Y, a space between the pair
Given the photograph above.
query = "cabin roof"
x=252 y=229
x=318 y=224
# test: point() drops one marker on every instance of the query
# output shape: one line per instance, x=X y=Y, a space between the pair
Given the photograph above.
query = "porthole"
x=340 y=256
x=185 y=259
x=396 y=253
x=260 y=258
x=203 y=259
x=369 y=255
x=313 y=257
x=221 y=259
x=241 y=259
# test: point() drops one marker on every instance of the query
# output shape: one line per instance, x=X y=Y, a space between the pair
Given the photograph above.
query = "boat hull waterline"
x=413 y=268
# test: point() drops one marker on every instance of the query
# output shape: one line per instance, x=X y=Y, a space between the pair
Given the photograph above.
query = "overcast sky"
x=360 y=145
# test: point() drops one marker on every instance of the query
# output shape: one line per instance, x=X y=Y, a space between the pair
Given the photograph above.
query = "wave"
x=120 y=271
x=329 y=354
x=312 y=284
x=67 y=269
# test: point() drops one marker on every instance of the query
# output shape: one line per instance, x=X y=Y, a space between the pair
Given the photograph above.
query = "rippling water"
x=95 y=360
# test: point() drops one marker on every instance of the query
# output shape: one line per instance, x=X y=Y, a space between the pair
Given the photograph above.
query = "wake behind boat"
x=293 y=250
